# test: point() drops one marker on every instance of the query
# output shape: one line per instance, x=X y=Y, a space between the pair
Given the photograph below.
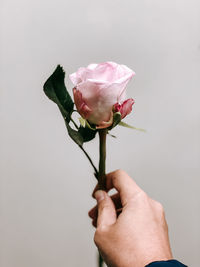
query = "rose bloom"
x=100 y=90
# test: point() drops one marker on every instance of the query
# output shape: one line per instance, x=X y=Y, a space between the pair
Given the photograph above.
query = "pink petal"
x=81 y=75
x=74 y=78
x=125 y=108
x=81 y=106
x=92 y=66
x=111 y=71
x=99 y=100
x=119 y=86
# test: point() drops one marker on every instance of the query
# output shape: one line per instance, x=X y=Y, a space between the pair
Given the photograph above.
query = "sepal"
x=124 y=124
x=116 y=120
x=85 y=124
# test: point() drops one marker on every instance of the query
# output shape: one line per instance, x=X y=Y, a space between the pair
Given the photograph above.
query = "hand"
x=131 y=227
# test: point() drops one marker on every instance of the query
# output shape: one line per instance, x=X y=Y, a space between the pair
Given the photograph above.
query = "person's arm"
x=131 y=229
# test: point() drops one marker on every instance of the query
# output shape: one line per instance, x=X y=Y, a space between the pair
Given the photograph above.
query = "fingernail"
x=99 y=195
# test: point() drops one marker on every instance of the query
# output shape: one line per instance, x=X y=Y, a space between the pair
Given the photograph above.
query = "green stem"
x=102 y=158
x=102 y=170
x=100 y=261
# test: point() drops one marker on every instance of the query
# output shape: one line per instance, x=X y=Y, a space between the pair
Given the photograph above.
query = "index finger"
x=124 y=184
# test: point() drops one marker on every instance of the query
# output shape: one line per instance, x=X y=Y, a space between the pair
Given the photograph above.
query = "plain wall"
x=46 y=182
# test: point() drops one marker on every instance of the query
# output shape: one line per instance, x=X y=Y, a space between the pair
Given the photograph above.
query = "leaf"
x=55 y=90
x=121 y=123
x=114 y=136
x=86 y=133
x=75 y=135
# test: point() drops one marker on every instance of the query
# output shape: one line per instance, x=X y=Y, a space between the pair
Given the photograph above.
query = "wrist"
x=169 y=263
x=157 y=257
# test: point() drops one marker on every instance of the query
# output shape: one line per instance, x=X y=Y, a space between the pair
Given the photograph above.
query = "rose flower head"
x=100 y=91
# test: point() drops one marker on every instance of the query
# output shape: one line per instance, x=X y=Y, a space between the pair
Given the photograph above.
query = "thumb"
x=106 y=209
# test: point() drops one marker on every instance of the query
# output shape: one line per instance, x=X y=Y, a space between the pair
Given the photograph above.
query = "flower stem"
x=102 y=170
x=102 y=158
x=100 y=260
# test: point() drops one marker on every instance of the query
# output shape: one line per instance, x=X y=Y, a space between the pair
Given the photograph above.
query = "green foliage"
x=56 y=90
x=87 y=133
x=121 y=123
x=75 y=135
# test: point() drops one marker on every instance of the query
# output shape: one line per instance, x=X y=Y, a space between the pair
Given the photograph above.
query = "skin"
x=131 y=229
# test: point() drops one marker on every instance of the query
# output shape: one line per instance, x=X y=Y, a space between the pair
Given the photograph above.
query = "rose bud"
x=99 y=90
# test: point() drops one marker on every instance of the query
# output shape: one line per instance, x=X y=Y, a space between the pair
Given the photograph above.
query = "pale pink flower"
x=99 y=90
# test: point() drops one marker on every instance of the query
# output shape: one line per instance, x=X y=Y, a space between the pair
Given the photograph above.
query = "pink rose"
x=100 y=90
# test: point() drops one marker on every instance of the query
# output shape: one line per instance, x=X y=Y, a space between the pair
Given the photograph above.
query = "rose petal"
x=105 y=71
x=125 y=108
x=92 y=66
x=81 y=106
x=111 y=71
x=101 y=86
x=100 y=101
x=74 y=78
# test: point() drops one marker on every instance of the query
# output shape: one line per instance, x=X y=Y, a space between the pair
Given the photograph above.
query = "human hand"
x=131 y=229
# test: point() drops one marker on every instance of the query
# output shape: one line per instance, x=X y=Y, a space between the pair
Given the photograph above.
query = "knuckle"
x=102 y=230
x=120 y=172
x=166 y=226
x=159 y=207
x=143 y=195
x=104 y=205
x=96 y=238
x=99 y=235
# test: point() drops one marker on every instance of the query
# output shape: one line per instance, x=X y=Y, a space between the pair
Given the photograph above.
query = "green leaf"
x=75 y=135
x=114 y=136
x=87 y=134
x=121 y=123
x=55 y=90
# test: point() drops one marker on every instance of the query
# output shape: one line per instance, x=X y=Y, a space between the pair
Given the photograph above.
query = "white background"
x=46 y=182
